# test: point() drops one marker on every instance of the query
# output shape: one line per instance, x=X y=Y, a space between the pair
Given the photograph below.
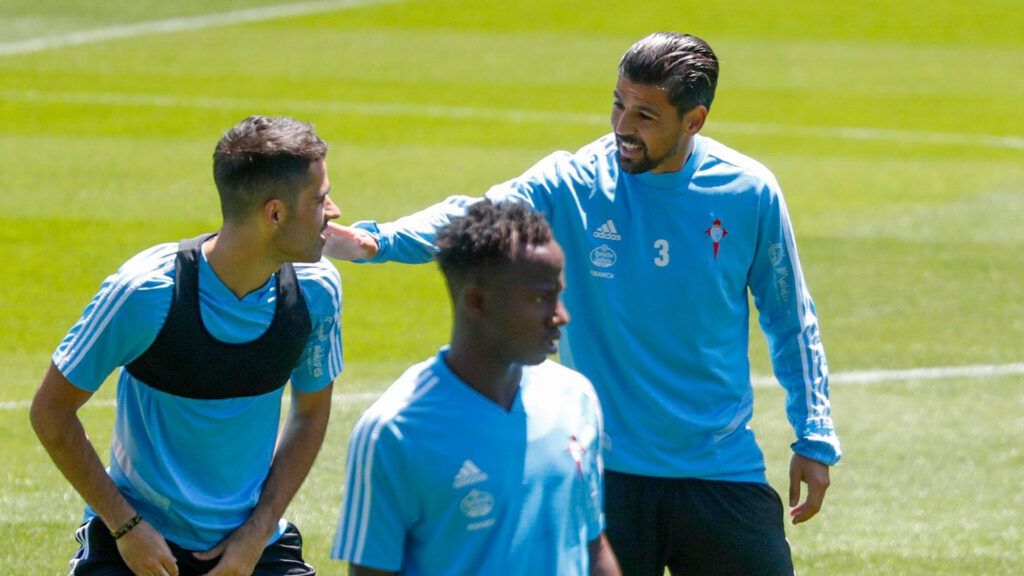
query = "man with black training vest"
x=207 y=332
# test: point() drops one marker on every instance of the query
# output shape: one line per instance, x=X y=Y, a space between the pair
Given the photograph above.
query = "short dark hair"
x=262 y=158
x=488 y=236
x=681 y=64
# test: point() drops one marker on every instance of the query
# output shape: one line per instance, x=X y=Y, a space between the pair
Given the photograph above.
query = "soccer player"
x=666 y=232
x=207 y=332
x=486 y=458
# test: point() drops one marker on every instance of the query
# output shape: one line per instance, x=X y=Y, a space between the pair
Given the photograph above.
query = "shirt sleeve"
x=410 y=239
x=790 y=324
x=119 y=324
x=321 y=360
x=379 y=504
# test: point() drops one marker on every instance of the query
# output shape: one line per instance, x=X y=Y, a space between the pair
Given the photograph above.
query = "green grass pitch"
x=895 y=128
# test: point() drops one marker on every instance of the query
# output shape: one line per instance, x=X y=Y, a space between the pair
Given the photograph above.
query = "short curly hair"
x=489 y=235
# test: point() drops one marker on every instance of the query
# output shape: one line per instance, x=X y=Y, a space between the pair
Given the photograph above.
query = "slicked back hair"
x=262 y=158
x=682 y=65
x=489 y=236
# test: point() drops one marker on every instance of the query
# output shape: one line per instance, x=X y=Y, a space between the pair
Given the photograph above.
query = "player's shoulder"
x=720 y=157
x=603 y=147
x=412 y=388
x=584 y=165
x=149 y=270
x=557 y=379
x=598 y=157
x=319 y=280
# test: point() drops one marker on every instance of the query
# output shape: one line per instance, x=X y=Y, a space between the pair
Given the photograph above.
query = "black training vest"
x=186 y=360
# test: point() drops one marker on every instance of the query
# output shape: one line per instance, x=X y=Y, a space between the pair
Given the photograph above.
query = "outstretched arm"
x=300 y=441
x=409 y=239
x=54 y=416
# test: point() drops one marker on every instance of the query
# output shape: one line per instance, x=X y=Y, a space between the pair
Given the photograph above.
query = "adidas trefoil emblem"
x=607 y=231
x=468 y=474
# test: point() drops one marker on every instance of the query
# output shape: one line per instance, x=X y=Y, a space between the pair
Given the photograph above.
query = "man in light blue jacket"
x=665 y=234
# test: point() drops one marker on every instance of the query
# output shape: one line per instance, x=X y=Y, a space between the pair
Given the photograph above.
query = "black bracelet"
x=126 y=527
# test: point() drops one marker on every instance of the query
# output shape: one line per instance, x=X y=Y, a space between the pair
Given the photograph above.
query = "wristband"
x=126 y=527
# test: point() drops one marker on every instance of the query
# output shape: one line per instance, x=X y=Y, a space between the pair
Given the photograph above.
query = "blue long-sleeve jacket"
x=658 y=272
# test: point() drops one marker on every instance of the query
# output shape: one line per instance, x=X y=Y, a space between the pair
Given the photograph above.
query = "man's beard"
x=630 y=166
x=644 y=163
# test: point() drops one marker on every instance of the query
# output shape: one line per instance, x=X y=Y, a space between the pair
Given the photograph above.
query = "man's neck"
x=240 y=260
x=497 y=380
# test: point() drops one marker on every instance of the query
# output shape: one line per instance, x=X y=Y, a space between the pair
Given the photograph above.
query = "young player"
x=486 y=458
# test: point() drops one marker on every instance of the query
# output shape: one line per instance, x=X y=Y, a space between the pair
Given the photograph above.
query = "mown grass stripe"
x=841 y=378
x=505 y=115
x=181 y=24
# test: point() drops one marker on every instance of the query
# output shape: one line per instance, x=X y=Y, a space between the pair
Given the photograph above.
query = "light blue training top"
x=442 y=480
x=193 y=468
x=658 y=271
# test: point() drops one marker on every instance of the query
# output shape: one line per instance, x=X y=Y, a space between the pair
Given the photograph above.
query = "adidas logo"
x=468 y=474
x=607 y=231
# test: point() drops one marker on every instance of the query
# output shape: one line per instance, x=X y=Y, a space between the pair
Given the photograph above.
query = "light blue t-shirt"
x=442 y=480
x=193 y=468
x=658 y=271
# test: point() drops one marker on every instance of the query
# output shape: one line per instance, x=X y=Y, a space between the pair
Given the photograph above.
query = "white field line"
x=346 y=399
x=495 y=115
x=343 y=399
x=182 y=24
x=912 y=374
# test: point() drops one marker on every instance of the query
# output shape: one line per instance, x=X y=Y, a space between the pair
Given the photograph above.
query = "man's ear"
x=693 y=120
x=474 y=298
x=274 y=212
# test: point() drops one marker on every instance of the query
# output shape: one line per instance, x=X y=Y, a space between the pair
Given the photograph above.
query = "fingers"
x=816 y=476
x=155 y=567
x=146 y=553
x=348 y=243
x=211 y=553
x=170 y=566
x=232 y=560
x=811 y=506
x=795 y=477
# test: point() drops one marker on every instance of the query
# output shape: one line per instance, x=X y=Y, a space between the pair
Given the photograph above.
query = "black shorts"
x=98 y=555
x=695 y=527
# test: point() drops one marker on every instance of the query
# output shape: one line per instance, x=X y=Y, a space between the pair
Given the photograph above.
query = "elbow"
x=49 y=424
x=41 y=419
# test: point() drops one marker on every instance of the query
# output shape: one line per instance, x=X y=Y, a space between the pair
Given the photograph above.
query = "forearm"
x=410 y=239
x=300 y=442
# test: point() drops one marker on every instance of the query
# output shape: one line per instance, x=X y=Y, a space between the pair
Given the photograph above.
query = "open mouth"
x=630 y=148
x=552 y=341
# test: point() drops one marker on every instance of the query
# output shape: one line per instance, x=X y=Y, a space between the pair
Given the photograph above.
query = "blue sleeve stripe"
x=112 y=296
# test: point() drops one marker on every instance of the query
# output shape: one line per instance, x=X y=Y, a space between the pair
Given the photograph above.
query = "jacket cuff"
x=819 y=442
